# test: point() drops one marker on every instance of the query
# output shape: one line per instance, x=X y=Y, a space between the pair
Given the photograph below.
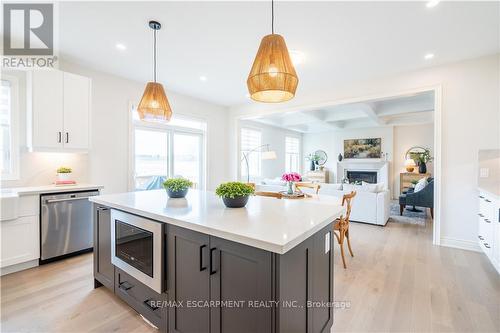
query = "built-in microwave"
x=137 y=248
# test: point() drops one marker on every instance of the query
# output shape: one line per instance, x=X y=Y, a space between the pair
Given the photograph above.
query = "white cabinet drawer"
x=19 y=240
x=29 y=205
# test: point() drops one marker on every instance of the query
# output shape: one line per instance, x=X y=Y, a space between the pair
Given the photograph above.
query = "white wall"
x=406 y=137
x=470 y=121
x=107 y=161
x=275 y=137
x=333 y=144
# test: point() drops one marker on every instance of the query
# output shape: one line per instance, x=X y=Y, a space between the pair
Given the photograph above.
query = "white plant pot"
x=64 y=176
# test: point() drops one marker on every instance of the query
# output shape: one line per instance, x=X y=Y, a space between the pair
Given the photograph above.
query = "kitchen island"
x=193 y=265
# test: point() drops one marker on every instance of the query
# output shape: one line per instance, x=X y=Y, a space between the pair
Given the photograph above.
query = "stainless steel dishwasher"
x=65 y=225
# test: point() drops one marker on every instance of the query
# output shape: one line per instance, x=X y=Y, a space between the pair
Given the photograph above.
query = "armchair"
x=422 y=198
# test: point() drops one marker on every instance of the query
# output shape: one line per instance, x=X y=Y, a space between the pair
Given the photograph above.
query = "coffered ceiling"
x=401 y=110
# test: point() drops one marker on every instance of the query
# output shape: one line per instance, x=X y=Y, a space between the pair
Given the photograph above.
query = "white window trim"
x=300 y=151
x=240 y=151
x=138 y=124
x=14 y=128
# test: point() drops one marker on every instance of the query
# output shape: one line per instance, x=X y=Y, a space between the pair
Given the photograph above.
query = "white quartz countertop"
x=267 y=223
x=47 y=189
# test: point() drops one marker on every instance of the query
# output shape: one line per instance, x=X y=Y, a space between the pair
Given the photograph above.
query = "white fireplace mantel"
x=381 y=167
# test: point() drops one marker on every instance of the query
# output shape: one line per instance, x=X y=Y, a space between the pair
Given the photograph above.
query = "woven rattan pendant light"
x=272 y=78
x=154 y=103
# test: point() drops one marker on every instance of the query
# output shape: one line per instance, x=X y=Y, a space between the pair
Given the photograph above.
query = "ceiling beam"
x=369 y=110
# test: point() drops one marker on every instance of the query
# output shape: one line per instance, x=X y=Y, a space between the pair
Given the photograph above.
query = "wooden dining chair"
x=314 y=186
x=341 y=225
x=276 y=195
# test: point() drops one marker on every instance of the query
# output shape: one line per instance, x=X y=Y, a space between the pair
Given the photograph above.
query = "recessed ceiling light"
x=429 y=56
x=203 y=78
x=121 y=46
x=432 y=3
x=297 y=57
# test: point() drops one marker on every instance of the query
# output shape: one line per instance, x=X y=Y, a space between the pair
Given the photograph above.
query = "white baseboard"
x=460 y=244
x=18 y=267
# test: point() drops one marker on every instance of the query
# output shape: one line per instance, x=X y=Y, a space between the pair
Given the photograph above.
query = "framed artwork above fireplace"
x=363 y=148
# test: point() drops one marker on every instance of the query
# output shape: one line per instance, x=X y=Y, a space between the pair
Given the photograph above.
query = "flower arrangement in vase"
x=291 y=178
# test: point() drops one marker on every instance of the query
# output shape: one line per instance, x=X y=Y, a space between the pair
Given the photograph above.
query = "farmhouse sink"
x=8 y=204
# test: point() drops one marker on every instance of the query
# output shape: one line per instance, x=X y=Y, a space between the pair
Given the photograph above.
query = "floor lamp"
x=267 y=154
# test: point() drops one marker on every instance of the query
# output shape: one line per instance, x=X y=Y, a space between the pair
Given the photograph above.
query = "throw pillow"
x=352 y=187
x=367 y=187
x=420 y=185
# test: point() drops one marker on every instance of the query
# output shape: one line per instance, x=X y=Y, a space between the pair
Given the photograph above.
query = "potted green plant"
x=313 y=158
x=234 y=194
x=64 y=174
x=422 y=159
x=177 y=187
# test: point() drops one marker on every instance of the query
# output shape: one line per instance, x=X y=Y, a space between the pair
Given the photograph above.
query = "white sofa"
x=367 y=206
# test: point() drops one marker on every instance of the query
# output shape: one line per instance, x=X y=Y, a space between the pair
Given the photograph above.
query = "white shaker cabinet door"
x=76 y=111
x=19 y=240
x=46 y=127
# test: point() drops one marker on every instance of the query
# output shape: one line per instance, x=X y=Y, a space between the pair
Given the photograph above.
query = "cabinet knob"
x=67 y=137
x=59 y=137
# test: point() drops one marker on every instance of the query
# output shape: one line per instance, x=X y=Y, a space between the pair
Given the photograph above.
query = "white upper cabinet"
x=45 y=109
x=76 y=111
x=58 y=111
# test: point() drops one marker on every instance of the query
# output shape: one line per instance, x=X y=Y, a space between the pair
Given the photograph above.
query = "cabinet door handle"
x=480 y=215
x=487 y=200
x=202 y=268
x=480 y=237
x=125 y=285
x=481 y=197
x=102 y=208
x=487 y=221
x=486 y=245
x=212 y=261
x=67 y=137
x=148 y=304
x=59 y=137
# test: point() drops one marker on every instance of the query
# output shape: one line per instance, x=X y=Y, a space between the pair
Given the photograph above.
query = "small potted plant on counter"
x=64 y=174
x=177 y=187
x=234 y=194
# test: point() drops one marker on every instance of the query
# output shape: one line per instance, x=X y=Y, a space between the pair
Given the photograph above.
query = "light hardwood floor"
x=397 y=281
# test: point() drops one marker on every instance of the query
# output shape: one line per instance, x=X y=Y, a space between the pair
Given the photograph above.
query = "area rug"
x=408 y=217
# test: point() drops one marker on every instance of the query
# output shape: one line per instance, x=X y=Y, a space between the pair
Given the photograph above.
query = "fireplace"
x=362 y=176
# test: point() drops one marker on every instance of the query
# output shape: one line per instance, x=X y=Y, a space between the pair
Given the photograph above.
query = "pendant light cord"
x=272 y=16
x=154 y=55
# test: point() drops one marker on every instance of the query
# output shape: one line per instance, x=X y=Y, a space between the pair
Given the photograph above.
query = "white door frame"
x=436 y=88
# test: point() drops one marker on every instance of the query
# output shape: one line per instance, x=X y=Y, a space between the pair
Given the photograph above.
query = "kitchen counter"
x=265 y=223
x=28 y=190
x=492 y=189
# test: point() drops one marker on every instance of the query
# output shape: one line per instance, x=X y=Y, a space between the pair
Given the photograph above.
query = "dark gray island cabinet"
x=216 y=282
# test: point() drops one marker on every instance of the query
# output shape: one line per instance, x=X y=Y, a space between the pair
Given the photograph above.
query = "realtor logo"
x=28 y=29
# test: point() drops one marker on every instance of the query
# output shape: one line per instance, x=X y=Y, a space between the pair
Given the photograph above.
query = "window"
x=164 y=150
x=187 y=156
x=151 y=158
x=250 y=139
x=9 y=128
x=292 y=154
